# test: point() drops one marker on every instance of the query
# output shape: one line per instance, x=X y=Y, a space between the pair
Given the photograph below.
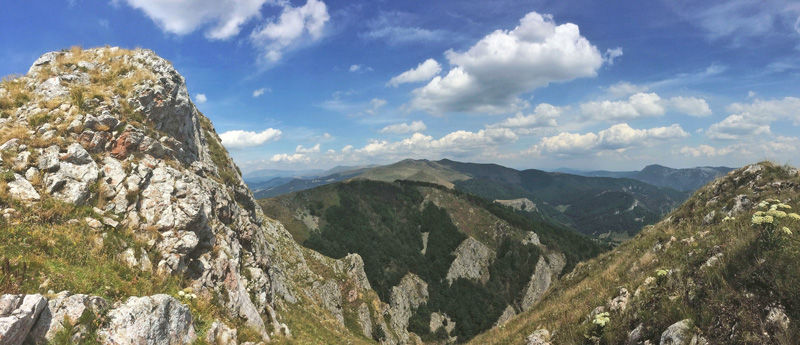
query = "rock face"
x=471 y=262
x=151 y=164
x=546 y=271
x=158 y=319
x=18 y=314
x=522 y=204
x=406 y=297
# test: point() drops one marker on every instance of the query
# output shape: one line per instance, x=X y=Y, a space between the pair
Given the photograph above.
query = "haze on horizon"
x=312 y=84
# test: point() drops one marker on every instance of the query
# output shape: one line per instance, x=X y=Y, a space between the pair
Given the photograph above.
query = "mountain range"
x=123 y=220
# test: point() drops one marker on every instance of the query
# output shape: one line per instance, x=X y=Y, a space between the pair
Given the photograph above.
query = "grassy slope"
x=726 y=302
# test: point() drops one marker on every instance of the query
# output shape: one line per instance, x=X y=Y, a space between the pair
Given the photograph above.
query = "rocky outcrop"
x=148 y=161
x=508 y=313
x=220 y=334
x=679 y=333
x=364 y=320
x=521 y=204
x=439 y=320
x=61 y=309
x=406 y=297
x=18 y=314
x=545 y=273
x=539 y=337
x=158 y=319
x=471 y=262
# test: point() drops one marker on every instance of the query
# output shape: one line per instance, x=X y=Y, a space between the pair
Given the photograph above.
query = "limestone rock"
x=619 y=303
x=353 y=266
x=21 y=189
x=471 y=262
x=48 y=161
x=635 y=335
x=64 y=307
x=439 y=320
x=157 y=319
x=220 y=334
x=508 y=313
x=364 y=320
x=405 y=298
x=21 y=162
x=11 y=144
x=19 y=315
x=539 y=337
x=679 y=333
x=543 y=275
x=331 y=297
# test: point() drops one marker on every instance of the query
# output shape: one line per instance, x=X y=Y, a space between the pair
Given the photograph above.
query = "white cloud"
x=618 y=137
x=401 y=128
x=295 y=26
x=238 y=138
x=200 y=98
x=624 y=88
x=612 y=54
x=736 y=127
x=374 y=105
x=453 y=143
x=641 y=105
x=184 y=16
x=424 y=71
x=360 y=68
x=638 y=105
x=301 y=149
x=544 y=115
x=703 y=151
x=294 y=158
x=490 y=76
x=690 y=106
x=258 y=92
x=751 y=119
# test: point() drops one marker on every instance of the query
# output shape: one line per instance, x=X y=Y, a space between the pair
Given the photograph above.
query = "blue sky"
x=312 y=84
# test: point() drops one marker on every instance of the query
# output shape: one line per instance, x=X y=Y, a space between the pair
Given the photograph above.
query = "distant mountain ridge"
x=686 y=179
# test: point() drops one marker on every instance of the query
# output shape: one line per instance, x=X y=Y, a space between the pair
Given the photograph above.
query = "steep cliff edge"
x=115 y=185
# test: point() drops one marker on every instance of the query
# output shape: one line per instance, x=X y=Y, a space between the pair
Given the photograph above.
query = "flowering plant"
x=774 y=221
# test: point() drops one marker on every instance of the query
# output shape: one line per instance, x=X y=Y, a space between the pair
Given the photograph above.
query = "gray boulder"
x=220 y=334
x=21 y=189
x=18 y=314
x=157 y=319
x=679 y=333
x=63 y=308
x=539 y=337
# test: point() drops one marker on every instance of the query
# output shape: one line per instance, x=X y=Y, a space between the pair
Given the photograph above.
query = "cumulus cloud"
x=301 y=149
x=544 y=115
x=200 y=98
x=490 y=76
x=638 y=105
x=293 y=158
x=624 y=88
x=359 y=68
x=690 y=106
x=618 y=137
x=453 y=143
x=258 y=92
x=239 y=139
x=703 y=151
x=735 y=127
x=295 y=26
x=641 y=105
x=184 y=16
x=424 y=71
x=401 y=128
x=751 y=119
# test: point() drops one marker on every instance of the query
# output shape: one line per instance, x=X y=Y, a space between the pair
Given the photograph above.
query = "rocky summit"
x=104 y=148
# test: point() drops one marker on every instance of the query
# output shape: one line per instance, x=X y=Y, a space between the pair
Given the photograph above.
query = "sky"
x=314 y=84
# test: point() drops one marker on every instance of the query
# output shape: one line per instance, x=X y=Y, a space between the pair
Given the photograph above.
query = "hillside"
x=611 y=208
x=456 y=246
x=720 y=269
x=125 y=221
x=686 y=179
